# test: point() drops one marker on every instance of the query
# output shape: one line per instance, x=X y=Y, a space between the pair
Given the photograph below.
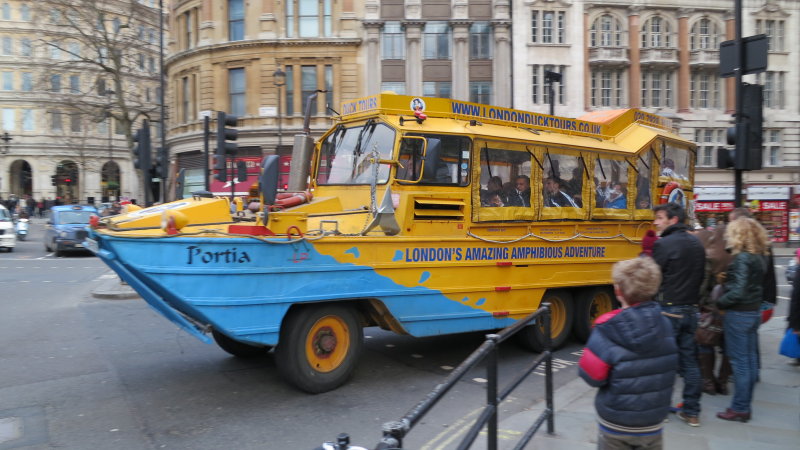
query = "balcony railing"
x=660 y=56
x=609 y=55
x=704 y=57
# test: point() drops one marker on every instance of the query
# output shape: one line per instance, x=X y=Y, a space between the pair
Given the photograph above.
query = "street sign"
x=268 y=111
x=205 y=113
x=755 y=56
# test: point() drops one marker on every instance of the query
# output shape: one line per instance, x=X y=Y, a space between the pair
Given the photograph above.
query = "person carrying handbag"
x=741 y=303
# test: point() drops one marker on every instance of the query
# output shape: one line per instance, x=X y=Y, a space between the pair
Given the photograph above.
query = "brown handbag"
x=709 y=329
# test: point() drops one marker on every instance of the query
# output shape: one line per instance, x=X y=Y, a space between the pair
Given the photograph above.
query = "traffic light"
x=746 y=135
x=241 y=171
x=141 y=148
x=224 y=148
x=221 y=168
x=53 y=180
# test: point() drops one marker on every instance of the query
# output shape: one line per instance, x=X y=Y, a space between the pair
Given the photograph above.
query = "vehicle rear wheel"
x=238 y=348
x=561 y=310
x=319 y=347
x=10 y=249
x=591 y=304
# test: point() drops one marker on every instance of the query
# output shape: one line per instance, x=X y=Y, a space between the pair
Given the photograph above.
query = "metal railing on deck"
x=394 y=432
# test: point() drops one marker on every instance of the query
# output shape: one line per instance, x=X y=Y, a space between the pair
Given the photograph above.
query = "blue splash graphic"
x=424 y=277
x=480 y=301
x=353 y=251
x=398 y=255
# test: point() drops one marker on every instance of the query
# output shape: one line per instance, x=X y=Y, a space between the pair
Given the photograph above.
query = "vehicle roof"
x=73 y=208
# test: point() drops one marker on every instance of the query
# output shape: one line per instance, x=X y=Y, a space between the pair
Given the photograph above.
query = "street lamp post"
x=6 y=142
x=550 y=78
x=280 y=81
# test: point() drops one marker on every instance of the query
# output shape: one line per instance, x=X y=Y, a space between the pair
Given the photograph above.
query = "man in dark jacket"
x=632 y=357
x=682 y=259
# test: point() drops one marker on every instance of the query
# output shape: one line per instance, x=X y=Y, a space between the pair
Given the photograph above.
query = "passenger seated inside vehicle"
x=554 y=196
x=493 y=195
x=521 y=196
x=616 y=198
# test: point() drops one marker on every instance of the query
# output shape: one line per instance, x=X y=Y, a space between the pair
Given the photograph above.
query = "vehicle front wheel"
x=238 y=348
x=561 y=312
x=591 y=304
x=319 y=346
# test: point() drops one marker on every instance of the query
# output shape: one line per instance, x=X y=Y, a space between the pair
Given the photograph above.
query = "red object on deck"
x=253 y=230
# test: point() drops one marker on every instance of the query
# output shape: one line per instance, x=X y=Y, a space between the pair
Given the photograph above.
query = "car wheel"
x=319 y=347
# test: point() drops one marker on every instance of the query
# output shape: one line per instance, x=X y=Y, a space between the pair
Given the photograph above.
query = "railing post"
x=548 y=347
x=491 y=391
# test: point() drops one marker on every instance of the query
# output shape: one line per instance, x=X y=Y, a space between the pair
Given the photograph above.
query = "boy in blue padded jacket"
x=632 y=357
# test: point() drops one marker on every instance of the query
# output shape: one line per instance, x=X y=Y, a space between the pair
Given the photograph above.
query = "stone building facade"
x=223 y=56
x=61 y=142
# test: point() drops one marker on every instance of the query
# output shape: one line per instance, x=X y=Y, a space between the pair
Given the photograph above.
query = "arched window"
x=705 y=35
x=606 y=31
x=656 y=33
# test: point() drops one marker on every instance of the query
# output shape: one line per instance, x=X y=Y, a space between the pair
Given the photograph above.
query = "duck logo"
x=418 y=106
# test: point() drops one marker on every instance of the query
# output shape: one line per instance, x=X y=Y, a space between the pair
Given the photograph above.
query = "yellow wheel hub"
x=601 y=304
x=558 y=316
x=327 y=343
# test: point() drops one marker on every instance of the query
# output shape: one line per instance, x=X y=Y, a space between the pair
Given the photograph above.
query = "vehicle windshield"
x=4 y=215
x=347 y=155
x=69 y=217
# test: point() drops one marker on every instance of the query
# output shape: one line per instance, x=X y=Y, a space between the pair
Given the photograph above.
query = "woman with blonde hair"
x=741 y=303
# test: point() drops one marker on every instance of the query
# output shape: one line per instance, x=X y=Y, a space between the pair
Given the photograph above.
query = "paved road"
x=83 y=373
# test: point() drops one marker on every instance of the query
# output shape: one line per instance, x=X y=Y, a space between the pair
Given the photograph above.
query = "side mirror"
x=268 y=180
x=411 y=160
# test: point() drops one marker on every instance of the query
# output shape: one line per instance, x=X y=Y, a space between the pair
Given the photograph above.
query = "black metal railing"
x=394 y=432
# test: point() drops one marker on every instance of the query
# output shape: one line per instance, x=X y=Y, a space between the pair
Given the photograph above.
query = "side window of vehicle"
x=644 y=163
x=610 y=184
x=505 y=177
x=447 y=160
x=675 y=163
x=562 y=181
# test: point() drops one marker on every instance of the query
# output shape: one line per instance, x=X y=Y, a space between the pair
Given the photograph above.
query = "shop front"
x=712 y=204
x=770 y=206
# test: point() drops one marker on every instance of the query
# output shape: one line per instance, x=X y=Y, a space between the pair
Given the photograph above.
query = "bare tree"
x=112 y=46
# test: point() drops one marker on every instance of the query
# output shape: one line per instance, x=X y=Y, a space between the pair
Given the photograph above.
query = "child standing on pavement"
x=632 y=357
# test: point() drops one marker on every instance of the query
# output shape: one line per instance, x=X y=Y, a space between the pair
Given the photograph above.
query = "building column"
x=269 y=23
x=730 y=82
x=587 y=69
x=460 y=71
x=684 y=70
x=372 y=66
x=413 y=57
x=635 y=72
x=206 y=25
x=501 y=79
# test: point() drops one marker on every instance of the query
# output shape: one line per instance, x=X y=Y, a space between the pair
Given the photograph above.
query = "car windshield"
x=4 y=215
x=67 y=217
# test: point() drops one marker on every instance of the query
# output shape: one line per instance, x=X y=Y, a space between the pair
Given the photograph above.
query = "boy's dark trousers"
x=613 y=441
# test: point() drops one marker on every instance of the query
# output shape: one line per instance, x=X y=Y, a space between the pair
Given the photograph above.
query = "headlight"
x=63 y=234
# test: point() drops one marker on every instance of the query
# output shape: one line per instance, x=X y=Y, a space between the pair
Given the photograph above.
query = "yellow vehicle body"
x=412 y=225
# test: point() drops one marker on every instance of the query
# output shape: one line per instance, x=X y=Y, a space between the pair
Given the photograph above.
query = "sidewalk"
x=111 y=288
x=775 y=423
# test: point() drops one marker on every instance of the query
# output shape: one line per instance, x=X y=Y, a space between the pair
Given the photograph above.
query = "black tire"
x=591 y=304
x=238 y=348
x=10 y=249
x=300 y=357
x=561 y=309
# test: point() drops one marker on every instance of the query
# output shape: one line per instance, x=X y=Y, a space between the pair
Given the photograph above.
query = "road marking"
x=458 y=428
